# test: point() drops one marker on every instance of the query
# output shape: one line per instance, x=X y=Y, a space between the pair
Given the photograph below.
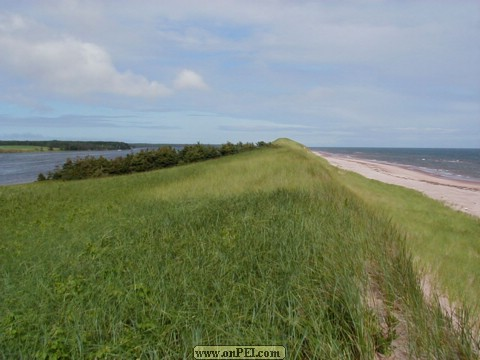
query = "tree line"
x=145 y=160
x=71 y=145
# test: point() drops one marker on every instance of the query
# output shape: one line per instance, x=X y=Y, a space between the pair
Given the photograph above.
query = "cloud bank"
x=70 y=66
x=349 y=73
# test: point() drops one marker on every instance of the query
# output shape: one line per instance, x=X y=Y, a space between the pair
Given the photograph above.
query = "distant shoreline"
x=13 y=150
x=456 y=178
x=449 y=163
x=13 y=146
x=462 y=195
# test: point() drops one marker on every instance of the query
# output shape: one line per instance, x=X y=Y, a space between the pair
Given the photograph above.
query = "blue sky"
x=324 y=73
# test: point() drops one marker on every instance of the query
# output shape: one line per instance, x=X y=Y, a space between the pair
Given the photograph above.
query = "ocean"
x=19 y=168
x=460 y=164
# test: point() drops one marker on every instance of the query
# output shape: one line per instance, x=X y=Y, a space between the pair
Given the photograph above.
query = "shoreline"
x=461 y=195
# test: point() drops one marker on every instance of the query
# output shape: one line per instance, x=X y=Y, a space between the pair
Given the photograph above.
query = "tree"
x=228 y=149
x=198 y=152
x=145 y=160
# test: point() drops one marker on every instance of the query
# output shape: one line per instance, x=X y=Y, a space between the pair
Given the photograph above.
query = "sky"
x=375 y=73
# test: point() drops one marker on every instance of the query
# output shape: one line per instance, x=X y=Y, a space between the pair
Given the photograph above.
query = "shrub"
x=145 y=160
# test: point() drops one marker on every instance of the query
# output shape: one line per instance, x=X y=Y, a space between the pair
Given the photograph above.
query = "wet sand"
x=460 y=195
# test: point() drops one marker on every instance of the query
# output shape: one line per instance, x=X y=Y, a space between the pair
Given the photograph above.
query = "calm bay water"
x=462 y=164
x=18 y=168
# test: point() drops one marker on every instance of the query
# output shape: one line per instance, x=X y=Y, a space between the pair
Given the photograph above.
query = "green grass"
x=265 y=247
x=23 y=148
x=444 y=242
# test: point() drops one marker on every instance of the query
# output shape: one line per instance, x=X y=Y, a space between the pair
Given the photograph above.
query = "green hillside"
x=445 y=243
x=269 y=247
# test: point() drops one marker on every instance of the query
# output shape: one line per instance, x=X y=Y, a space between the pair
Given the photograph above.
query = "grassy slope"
x=445 y=243
x=259 y=248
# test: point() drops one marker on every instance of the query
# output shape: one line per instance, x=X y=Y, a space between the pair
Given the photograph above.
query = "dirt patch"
x=393 y=326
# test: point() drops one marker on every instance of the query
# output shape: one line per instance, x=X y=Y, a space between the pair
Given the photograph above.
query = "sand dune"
x=460 y=195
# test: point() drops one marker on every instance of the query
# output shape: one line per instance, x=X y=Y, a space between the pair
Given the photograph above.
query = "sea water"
x=18 y=168
x=460 y=164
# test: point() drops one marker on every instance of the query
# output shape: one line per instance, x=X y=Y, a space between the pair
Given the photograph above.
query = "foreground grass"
x=444 y=242
x=259 y=248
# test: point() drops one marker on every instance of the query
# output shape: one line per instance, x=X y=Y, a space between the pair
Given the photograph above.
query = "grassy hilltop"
x=268 y=247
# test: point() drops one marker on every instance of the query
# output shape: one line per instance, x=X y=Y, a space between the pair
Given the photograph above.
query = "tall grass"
x=258 y=248
x=444 y=242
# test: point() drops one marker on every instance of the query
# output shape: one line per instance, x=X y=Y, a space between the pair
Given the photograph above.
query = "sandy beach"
x=460 y=195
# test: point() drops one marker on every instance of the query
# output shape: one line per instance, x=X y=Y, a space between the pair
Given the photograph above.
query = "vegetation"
x=23 y=148
x=145 y=160
x=65 y=145
x=444 y=243
x=265 y=247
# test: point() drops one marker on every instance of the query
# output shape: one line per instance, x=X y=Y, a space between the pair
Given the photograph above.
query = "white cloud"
x=188 y=79
x=11 y=22
x=68 y=65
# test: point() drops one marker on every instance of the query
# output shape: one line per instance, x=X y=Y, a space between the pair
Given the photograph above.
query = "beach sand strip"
x=460 y=195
